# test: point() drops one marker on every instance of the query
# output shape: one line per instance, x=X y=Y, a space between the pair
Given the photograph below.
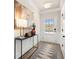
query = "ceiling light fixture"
x=47 y=5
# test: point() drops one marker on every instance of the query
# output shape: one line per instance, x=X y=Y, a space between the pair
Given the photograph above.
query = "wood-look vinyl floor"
x=47 y=51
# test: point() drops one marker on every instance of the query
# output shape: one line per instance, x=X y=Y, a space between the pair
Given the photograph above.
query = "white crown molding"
x=50 y=10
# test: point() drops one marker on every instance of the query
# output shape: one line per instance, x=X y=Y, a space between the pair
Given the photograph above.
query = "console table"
x=24 y=38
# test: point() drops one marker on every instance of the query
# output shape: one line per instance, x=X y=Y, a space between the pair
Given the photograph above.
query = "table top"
x=23 y=38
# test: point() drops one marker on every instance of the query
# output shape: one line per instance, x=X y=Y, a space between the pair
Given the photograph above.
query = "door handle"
x=63 y=36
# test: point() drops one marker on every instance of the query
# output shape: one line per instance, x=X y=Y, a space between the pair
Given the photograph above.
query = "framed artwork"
x=49 y=25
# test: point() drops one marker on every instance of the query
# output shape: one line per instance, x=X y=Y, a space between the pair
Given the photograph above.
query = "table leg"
x=21 y=49
x=15 y=49
x=37 y=42
x=33 y=41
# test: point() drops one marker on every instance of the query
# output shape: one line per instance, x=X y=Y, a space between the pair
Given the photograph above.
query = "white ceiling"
x=40 y=3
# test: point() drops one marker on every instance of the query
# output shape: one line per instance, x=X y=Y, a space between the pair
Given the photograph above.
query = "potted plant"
x=33 y=25
x=33 y=30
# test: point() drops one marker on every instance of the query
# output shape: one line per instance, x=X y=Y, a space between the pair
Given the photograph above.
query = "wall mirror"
x=22 y=16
